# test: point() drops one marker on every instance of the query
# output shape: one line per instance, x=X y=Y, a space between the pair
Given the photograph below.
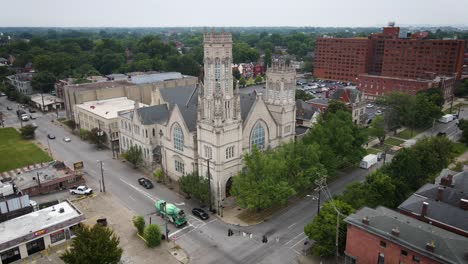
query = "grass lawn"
x=372 y=151
x=459 y=148
x=394 y=141
x=406 y=134
x=17 y=153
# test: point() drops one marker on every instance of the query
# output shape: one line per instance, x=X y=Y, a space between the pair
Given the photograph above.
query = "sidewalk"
x=119 y=219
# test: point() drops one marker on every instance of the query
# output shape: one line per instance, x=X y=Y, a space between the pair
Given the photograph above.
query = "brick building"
x=383 y=236
x=414 y=63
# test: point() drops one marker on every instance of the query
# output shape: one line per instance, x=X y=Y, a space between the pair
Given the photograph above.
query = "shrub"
x=84 y=134
x=70 y=123
x=139 y=223
x=158 y=174
x=152 y=235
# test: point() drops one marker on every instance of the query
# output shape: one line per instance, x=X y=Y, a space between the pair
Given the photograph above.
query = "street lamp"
x=102 y=176
x=318 y=189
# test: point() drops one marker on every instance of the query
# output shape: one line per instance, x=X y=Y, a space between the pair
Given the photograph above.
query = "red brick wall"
x=341 y=58
x=366 y=247
x=415 y=58
x=374 y=86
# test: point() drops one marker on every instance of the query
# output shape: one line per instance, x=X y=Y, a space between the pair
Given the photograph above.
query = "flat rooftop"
x=109 y=108
x=100 y=85
x=44 y=219
x=48 y=174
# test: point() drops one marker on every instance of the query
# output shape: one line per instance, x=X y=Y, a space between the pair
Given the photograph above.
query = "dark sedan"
x=50 y=136
x=145 y=183
x=200 y=213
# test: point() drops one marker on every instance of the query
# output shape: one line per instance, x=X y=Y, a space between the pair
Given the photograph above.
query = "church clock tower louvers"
x=219 y=125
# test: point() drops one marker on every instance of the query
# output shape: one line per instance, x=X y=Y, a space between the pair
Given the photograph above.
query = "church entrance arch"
x=228 y=187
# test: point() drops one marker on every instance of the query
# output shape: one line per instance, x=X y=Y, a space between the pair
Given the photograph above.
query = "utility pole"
x=209 y=185
x=337 y=234
x=319 y=182
x=102 y=177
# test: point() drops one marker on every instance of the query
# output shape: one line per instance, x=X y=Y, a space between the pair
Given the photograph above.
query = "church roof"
x=246 y=103
x=347 y=94
x=185 y=97
x=153 y=114
x=304 y=110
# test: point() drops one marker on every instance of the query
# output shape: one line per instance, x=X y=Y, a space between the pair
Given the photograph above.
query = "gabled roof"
x=246 y=103
x=413 y=234
x=304 y=111
x=153 y=114
x=186 y=98
x=347 y=94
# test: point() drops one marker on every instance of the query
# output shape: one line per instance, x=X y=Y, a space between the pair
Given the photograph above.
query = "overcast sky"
x=223 y=13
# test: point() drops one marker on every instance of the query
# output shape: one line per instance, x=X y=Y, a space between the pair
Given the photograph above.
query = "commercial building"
x=403 y=64
x=47 y=102
x=21 y=82
x=13 y=203
x=444 y=205
x=43 y=178
x=36 y=231
x=383 y=236
x=103 y=115
x=138 y=87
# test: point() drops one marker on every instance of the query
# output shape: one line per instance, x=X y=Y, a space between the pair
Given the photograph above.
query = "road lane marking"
x=298 y=242
x=179 y=204
x=141 y=191
x=131 y=197
x=294 y=238
x=291 y=225
x=178 y=231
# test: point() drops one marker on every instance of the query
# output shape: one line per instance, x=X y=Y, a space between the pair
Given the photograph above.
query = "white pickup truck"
x=81 y=190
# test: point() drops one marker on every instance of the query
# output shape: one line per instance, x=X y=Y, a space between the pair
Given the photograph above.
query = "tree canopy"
x=97 y=244
x=43 y=82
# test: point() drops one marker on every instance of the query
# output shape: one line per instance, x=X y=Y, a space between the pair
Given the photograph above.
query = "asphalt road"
x=205 y=241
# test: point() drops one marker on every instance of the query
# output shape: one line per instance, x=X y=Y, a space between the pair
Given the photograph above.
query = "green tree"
x=334 y=106
x=463 y=125
x=258 y=79
x=196 y=186
x=323 y=228
x=43 y=82
x=263 y=182
x=97 y=244
x=377 y=129
x=242 y=82
x=377 y=189
x=28 y=132
x=97 y=137
x=236 y=73
x=84 y=134
x=134 y=155
x=152 y=235
x=139 y=223
x=300 y=94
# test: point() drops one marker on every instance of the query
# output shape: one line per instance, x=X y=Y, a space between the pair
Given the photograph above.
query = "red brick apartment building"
x=384 y=55
x=384 y=236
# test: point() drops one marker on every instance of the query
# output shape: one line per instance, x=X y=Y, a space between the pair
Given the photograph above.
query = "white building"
x=103 y=115
x=22 y=82
x=47 y=102
x=212 y=121
x=36 y=231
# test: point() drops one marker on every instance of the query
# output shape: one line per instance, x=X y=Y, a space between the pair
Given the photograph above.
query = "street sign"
x=78 y=165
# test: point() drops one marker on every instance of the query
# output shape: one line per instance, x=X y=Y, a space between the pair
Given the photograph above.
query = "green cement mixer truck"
x=173 y=214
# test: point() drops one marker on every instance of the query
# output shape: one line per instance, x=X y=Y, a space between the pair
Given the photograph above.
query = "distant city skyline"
x=242 y=13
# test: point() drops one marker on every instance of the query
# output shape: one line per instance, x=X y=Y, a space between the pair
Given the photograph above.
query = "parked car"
x=2 y=94
x=441 y=134
x=145 y=183
x=24 y=117
x=32 y=116
x=31 y=110
x=66 y=139
x=50 y=136
x=369 y=105
x=200 y=213
x=83 y=190
x=9 y=108
x=378 y=112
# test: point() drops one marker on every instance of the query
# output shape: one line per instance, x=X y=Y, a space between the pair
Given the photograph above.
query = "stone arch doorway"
x=228 y=187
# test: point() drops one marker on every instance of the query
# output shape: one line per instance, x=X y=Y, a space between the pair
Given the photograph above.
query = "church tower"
x=280 y=98
x=219 y=124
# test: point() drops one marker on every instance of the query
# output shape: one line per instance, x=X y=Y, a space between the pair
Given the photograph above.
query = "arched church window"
x=257 y=136
x=217 y=69
x=178 y=138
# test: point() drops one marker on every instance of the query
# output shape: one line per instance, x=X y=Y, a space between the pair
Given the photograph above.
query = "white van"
x=446 y=118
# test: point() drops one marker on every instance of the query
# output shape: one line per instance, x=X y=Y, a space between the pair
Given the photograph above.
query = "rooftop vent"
x=61 y=210
x=430 y=246
x=396 y=231
x=53 y=209
x=365 y=220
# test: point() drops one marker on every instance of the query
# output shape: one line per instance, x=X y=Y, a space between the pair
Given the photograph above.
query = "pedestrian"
x=251 y=235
